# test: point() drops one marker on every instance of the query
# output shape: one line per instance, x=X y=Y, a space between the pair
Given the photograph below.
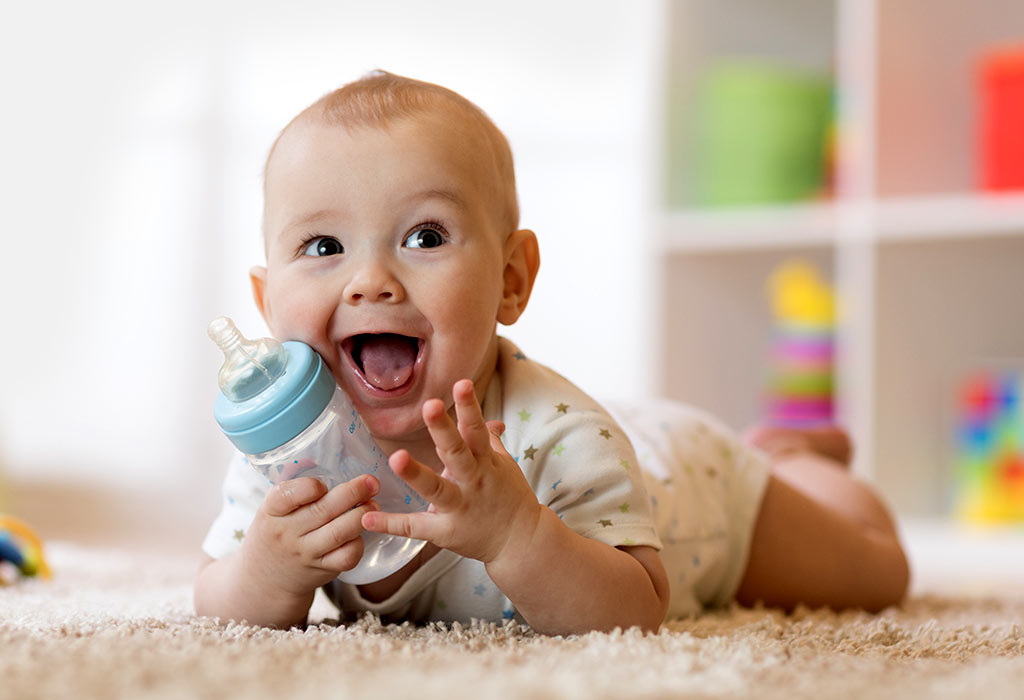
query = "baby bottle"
x=280 y=406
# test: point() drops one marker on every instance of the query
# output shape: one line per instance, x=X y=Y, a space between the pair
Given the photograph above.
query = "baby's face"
x=383 y=254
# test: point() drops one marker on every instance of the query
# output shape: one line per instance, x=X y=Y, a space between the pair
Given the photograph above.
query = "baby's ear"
x=258 y=279
x=522 y=260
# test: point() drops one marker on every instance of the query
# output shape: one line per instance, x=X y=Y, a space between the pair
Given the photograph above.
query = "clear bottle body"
x=335 y=448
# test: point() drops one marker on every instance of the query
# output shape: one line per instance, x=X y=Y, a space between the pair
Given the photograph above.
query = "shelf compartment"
x=942 y=308
x=792 y=37
x=718 y=327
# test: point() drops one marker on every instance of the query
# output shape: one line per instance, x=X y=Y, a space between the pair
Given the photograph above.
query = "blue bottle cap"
x=282 y=410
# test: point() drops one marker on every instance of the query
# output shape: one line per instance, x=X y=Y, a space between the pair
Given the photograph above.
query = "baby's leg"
x=822 y=538
x=827 y=440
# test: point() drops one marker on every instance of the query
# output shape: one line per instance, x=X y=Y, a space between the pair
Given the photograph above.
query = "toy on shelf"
x=22 y=548
x=1000 y=115
x=760 y=133
x=800 y=374
x=990 y=449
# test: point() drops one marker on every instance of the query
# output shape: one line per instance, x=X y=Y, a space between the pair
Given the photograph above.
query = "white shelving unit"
x=929 y=271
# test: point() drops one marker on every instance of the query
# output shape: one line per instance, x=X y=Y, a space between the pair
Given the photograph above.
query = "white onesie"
x=705 y=488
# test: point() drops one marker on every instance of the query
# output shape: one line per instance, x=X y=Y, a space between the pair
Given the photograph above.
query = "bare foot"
x=827 y=440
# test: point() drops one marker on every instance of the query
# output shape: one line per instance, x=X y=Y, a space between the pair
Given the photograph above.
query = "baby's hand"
x=304 y=535
x=481 y=504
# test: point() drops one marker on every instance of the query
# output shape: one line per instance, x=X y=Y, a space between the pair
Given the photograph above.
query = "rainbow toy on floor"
x=799 y=390
x=22 y=548
x=990 y=449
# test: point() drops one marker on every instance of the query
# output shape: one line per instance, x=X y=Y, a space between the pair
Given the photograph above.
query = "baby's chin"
x=394 y=430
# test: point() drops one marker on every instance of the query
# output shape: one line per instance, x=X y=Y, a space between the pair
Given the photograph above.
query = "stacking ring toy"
x=20 y=546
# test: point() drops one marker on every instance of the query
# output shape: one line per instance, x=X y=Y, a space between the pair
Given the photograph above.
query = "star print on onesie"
x=572 y=454
x=705 y=488
x=575 y=457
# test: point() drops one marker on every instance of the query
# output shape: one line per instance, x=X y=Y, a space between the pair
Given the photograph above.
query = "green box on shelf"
x=761 y=134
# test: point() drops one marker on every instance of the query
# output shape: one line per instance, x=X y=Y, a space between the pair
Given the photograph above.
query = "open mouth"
x=385 y=361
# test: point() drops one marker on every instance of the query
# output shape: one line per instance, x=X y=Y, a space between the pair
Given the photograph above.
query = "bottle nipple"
x=250 y=366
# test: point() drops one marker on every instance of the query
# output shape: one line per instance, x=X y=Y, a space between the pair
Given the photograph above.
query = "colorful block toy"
x=989 y=466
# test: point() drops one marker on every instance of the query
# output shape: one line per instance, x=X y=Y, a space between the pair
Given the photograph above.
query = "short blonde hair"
x=379 y=98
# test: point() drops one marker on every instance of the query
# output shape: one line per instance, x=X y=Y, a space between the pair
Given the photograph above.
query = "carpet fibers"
x=119 y=625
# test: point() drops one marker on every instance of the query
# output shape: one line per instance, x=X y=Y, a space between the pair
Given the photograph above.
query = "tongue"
x=387 y=360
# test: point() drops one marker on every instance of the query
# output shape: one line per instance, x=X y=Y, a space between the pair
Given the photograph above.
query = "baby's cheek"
x=297 y=314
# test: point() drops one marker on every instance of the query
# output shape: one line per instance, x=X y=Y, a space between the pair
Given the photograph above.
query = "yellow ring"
x=19 y=528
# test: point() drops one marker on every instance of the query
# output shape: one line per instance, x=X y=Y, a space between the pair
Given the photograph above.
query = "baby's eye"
x=425 y=237
x=324 y=245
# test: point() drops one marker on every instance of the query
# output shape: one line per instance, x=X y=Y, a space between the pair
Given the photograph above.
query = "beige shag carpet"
x=119 y=625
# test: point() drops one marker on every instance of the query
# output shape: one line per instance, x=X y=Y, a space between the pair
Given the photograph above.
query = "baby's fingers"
x=344 y=558
x=417 y=526
x=472 y=427
x=338 y=500
x=439 y=491
x=495 y=429
x=451 y=448
x=342 y=533
x=288 y=496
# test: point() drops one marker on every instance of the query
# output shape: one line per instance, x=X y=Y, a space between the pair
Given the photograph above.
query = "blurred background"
x=792 y=210
x=134 y=137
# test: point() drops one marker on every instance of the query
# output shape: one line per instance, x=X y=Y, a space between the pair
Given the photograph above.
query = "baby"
x=393 y=249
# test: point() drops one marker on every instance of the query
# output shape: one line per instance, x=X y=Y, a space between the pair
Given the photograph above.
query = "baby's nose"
x=374 y=282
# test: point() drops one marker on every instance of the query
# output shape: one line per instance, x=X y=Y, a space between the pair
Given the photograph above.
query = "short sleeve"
x=244 y=491
x=577 y=459
x=583 y=467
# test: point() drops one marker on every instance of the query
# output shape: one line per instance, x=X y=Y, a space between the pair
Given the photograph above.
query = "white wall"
x=133 y=139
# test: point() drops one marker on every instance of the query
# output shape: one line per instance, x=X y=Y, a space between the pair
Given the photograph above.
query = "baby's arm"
x=301 y=537
x=565 y=583
x=482 y=507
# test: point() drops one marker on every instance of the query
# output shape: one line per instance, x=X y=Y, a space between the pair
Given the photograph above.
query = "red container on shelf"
x=1001 y=120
